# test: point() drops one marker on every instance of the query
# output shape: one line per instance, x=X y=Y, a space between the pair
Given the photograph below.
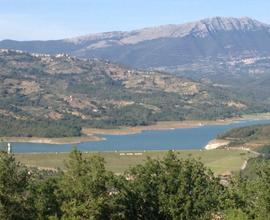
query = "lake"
x=184 y=138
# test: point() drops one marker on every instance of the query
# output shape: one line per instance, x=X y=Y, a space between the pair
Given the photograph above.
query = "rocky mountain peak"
x=228 y=24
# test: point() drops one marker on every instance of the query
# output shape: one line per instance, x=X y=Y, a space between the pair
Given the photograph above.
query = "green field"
x=220 y=161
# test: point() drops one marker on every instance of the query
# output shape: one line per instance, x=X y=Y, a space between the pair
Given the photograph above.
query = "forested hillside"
x=55 y=96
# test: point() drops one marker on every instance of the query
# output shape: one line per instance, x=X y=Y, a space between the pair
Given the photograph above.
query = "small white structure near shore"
x=9 y=149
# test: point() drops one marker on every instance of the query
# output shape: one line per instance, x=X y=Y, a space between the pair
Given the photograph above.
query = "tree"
x=85 y=189
x=188 y=189
x=260 y=188
x=44 y=196
x=252 y=195
x=171 y=189
x=14 y=189
x=139 y=192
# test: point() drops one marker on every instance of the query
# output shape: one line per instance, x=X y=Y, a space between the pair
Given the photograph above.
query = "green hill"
x=255 y=136
x=55 y=96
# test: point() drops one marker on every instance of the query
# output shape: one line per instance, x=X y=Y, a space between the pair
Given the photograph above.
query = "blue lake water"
x=184 y=138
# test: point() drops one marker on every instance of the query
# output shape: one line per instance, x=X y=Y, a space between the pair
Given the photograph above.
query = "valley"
x=141 y=110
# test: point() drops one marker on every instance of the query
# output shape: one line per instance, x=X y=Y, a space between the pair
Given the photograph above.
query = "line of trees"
x=167 y=189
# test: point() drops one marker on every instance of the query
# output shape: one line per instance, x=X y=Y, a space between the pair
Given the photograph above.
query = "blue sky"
x=57 y=19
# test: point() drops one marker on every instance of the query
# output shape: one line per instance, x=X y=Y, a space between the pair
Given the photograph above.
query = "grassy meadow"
x=220 y=160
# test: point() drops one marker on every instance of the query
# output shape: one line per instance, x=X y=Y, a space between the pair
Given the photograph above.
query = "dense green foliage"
x=248 y=132
x=170 y=189
x=84 y=189
x=252 y=195
x=38 y=128
x=243 y=135
x=14 y=189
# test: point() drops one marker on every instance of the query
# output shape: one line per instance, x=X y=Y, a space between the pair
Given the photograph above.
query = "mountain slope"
x=54 y=96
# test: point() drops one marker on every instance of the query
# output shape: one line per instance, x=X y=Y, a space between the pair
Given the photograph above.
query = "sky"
x=58 y=19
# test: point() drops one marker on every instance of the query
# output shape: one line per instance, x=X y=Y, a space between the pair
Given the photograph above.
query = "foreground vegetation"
x=170 y=188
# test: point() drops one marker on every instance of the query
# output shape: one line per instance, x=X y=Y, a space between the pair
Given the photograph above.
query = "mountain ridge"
x=177 y=30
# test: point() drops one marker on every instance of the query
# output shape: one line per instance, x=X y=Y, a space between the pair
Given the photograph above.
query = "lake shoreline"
x=91 y=134
x=171 y=125
x=58 y=141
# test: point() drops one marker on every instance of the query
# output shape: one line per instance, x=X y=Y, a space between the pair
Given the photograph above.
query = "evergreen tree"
x=14 y=190
x=84 y=188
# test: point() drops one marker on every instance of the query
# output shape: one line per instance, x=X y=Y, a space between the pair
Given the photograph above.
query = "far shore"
x=168 y=125
x=91 y=134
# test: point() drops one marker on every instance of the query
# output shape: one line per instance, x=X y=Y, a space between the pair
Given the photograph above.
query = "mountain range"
x=164 y=46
